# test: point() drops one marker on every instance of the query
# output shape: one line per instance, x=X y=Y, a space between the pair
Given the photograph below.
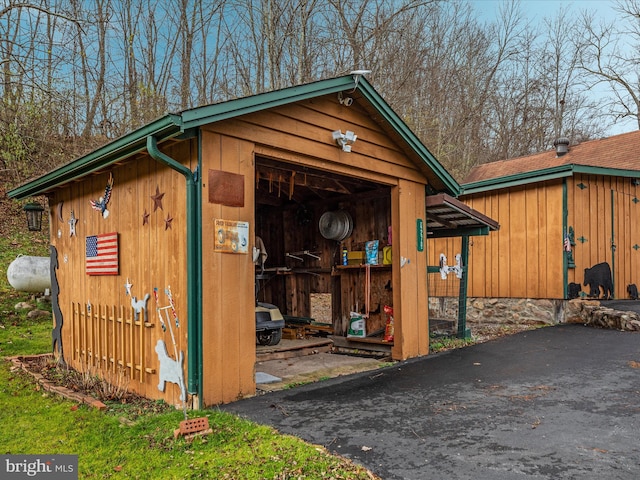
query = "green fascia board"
x=134 y=142
x=518 y=179
x=172 y=125
x=608 y=172
x=198 y=116
x=542 y=175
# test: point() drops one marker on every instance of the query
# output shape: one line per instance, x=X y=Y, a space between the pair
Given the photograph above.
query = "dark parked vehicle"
x=269 y=324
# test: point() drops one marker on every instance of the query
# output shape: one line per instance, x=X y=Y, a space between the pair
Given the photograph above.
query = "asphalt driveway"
x=555 y=403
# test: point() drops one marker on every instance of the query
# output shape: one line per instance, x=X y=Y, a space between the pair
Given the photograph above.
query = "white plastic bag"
x=357 y=326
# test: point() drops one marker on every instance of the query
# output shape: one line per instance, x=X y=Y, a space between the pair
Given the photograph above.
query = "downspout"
x=565 y=226
x=193 y=337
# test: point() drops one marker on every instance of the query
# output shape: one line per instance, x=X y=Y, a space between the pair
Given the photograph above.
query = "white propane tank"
x=30 y=274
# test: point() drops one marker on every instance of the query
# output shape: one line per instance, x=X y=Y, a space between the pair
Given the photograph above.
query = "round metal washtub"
x=336 y=225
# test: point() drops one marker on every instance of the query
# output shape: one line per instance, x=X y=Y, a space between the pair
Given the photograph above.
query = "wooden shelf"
x=338 y=268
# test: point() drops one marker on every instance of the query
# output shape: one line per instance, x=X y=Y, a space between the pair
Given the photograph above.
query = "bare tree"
x=32 y=109
x=209 y=62
x=461 y=61
x=540 y=97
x=611 y=57
x=74 y=73
x=93 y=67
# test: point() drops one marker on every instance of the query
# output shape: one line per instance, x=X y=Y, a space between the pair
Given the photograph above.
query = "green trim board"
x=613 y=242
x=517 y=180
x=553 y=173
x=264 y=101
x=458 y=232
x=463 y=331
x=174 y=125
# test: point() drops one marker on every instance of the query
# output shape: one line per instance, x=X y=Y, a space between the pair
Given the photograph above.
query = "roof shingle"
x=615 y=152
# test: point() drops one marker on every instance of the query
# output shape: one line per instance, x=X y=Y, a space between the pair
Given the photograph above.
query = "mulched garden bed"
x=85 y=387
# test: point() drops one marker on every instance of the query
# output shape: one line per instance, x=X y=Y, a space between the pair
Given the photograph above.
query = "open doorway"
x=317 y=275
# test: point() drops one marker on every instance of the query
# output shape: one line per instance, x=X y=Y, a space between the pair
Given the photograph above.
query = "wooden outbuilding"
x=560 y=212
x=153 y=235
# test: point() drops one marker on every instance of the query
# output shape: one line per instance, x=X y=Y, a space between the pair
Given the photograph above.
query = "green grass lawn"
x=116 y=444
x=109 y=445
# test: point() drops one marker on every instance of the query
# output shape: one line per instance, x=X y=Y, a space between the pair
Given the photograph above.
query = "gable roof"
x=618 y=155
x=175 y=125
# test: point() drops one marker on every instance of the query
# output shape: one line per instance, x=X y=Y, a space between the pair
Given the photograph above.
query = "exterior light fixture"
x=356 y=76
x=344 y=140
x=34 y=211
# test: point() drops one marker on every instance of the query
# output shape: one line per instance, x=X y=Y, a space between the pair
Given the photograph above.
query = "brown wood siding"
x=302 y=133
x=228 y=311
x=592 y=218
x=523 y=259
x=149 y=256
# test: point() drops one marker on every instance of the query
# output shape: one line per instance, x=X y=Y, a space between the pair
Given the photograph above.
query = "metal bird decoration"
x=100 y=205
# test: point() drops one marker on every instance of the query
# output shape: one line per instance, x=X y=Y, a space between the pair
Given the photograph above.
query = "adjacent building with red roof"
x=560 y=212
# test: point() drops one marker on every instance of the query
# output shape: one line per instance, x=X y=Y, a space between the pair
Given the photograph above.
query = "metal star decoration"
x=145 y=217
x=167 y=222
x=157 y=199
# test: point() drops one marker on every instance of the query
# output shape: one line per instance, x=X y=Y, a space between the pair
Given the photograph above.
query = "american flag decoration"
x=567 y=243
x=102 y=254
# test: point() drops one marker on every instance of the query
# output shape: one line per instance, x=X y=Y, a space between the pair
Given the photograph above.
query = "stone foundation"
x=514 y=311
x=524 y=311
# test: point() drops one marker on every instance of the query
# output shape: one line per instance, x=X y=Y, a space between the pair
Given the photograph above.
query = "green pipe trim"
x=565 y=226
x=613 y=244
x=192 y=271
x=463 y=332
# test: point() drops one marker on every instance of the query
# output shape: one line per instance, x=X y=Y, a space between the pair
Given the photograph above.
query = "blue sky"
x=536 y=10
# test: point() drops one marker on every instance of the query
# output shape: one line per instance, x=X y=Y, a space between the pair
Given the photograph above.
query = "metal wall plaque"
x=231 y=236
x=226 y=188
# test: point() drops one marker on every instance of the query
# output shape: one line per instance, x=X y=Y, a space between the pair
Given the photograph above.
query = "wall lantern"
x=345 y=140
x=34 y=216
